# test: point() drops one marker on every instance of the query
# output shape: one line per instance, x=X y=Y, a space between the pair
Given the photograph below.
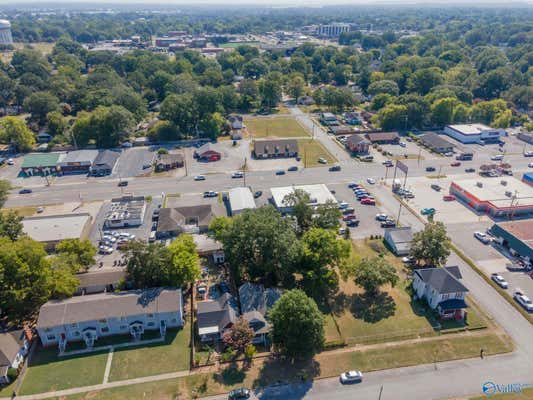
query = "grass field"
x=49 y=372
x=44 y=47
x=326 y=364
x=26 y=211
x=311 y=150
x=274 y=127
x=158 y=358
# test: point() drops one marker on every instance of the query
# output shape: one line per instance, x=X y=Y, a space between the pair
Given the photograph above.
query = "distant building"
x=436 y=143
x=328 y=119
x=51 y=229
x=87 y=318
x=240 y=199
x=5 y=32
x=474 y=133
x=341 y=130
x=166 y=162
x=399 y=240
x=318 y=194
x=332 y=30
x=208 y=152
x=77 y=161
x=14 y=345
x=40 y=164
x=209 y=248
x=383 y=137
x=526 y=137
x=43 y=137
x=282 y=148
x=517 y=236
x=125 y=211
x=357 y=144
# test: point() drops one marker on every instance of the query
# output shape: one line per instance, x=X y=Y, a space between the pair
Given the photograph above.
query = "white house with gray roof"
x=90 y=317
x=442 y=289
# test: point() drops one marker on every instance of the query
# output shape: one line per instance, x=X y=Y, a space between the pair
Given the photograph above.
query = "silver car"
x=351 y=377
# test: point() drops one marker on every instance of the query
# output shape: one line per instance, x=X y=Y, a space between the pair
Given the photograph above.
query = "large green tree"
x=297 y=325
x=5 y=187
x=13 y=130
x=10 y=225
x=185 y=264
x=431 y=245
x=80 y=252
x=372 y=273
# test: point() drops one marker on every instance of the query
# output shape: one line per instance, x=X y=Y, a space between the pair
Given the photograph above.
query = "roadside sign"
x=402 y=166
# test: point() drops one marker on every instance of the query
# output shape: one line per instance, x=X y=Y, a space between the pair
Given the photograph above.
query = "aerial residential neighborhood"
x=270 y=201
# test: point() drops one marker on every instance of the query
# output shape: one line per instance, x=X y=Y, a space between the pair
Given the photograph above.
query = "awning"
x=208 y=330
x=452 y=304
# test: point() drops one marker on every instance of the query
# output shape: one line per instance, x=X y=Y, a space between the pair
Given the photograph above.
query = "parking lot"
x=135 y=161
x=411 y=150
x=232 y=158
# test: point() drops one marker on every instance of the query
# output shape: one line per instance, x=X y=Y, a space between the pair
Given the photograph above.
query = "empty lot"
x=274 y=127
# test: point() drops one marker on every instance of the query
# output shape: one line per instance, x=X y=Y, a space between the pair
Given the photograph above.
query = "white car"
x=526 y=154
x=499 y=280
x=408 y=260
x=109 y=239
x=371 y=181
x=523 y=300
x=381 y=217
x=497 y=157
x=351 y=377
x=40 y=210
x=199 y=178
x=530 y=165
x=322 y=160
x=402 y=144
x=10 y=161
x=482 y=237
x=343 y=204
x=237 y=174
x=105 y=249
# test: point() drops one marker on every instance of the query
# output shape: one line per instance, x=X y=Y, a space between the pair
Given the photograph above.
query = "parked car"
x=210 y=193
x=241 y=393
x=402 y=144
x=381 y=217
x=105 y=249
x=523 y=300
x=351 y=377
x=497 y=157
x=343 y=205
x=448 y=197
x=237 y=175
x=342 y=231
x=368 y=201
x=470 y=170
x=25 y=191
x=39 y=210
x=448 y=154
x=349 y=217
x=436 y=187
x=257 y=194
x=280 y=172
x=530 y=165
x=293 y=168
x=123 y=183
x=334 y=168
x=387 y=163
x=427 y=211
x=500 y=281
x=352 y=223
x=10 y=161
x=322 y=160
x=526 y=154
x=199 y=178
x=389 y=223
x=430 y=169
x=455 y=164
x=371 y=181
x=482 y=237
x=408 y=260
x=348 y=210
x=353 y=185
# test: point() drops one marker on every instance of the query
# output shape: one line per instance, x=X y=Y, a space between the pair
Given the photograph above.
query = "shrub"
x=250 y=351
x=162 y=151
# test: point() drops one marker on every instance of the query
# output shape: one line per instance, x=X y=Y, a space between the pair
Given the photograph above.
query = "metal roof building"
x=240 y=199
x=318 y=193
x=516 y=236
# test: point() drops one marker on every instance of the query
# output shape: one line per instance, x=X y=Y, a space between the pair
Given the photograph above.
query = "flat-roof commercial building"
x=436 y=143
x=240 y=199
x=319 y=194
x=474 y=133
x=332 y=30
x=105 y=162
x=517 y=236
x=52 y=229
x=40 y=164
x=383 y=137
x=528 y=178
x=77 y=161
x=497 y=197
x=87 y=318
x=125 y=211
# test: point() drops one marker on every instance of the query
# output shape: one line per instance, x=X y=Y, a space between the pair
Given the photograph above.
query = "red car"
x=455 y=164
x=368 y=201
x=348 y=217
x=449 y=197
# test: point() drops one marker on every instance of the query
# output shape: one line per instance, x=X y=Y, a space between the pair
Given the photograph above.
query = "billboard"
x=402 y=166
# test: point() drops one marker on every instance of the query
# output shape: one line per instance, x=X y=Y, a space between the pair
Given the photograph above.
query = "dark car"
x=293 y=168
x=436 y=187
x=352 y=223
x=123 y=183
x=257 y=194
x=430 y=169
x=241 y=393
x=25 y=191
x=335 y=168
x=388 y=224
x=469 y=170
x=280 y=172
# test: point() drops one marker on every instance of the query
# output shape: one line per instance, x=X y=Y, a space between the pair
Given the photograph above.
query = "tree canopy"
x=431 y=245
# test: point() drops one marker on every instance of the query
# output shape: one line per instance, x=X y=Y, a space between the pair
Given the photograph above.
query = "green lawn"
x=158 y=358
x=274 y=127
x=264 y=372
x=48 y=372
x=311 y=150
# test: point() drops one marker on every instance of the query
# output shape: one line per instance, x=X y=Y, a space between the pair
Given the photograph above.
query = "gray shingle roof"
x=443 y=280
x=10 y=345
x=435 y=141
x=275 y=146
x=106 y=159
x=400 y=235
x=255 y=297
x=170 y=219
x=109 y=305
x=101 y=278
x=219 y=312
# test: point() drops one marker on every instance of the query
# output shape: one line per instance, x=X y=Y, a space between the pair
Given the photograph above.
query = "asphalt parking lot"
x=232 y=158
x=132 y=161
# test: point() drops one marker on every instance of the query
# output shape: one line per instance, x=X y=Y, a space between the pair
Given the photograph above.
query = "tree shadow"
x=372 y=307
x=338 y=304
x=231 y=375
x=280 y=370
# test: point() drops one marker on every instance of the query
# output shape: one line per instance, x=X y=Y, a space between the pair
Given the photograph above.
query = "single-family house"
x=328 y=119
x=341 y=130
x=306 y=100
x=166 y=162
x=14 y=346
x=190 y=219
x=399 y=239
x=208 y=152
x=352 y=118
x=209 y=248
x=443 y=291
x=255 y=303
x=236 y=122
x=357 y=144
x=87 y=318
x=105 y=162
x=285 y=148
x=43 y=137
x=214 y=317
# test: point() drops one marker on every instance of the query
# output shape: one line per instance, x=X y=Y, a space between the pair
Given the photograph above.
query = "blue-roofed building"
x=528 y=178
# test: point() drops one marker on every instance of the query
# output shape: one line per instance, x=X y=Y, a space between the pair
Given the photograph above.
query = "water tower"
x=5 y=32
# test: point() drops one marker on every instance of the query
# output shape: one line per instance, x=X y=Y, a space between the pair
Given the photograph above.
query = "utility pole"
x=244 y=171
x=419 y=155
